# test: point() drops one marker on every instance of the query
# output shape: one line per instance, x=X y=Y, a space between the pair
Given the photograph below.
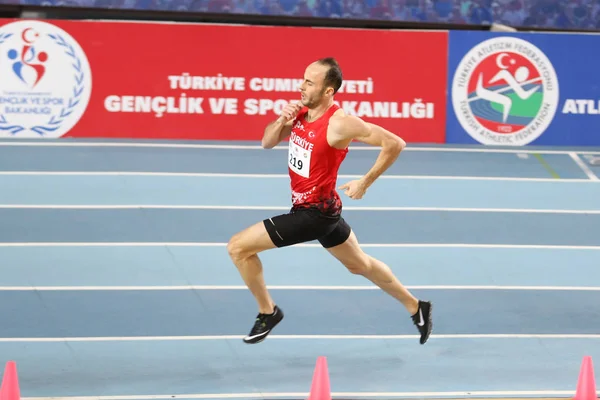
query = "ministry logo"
x=45 y=80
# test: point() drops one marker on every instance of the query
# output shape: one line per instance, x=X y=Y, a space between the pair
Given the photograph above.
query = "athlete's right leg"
x=343 y=245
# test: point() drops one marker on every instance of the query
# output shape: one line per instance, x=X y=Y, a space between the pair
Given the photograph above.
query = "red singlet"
x=313 y=164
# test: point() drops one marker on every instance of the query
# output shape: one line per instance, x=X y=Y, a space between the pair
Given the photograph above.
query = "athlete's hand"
x=290 y=111
x=354 y=189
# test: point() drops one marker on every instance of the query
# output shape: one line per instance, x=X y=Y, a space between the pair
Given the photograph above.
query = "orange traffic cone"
x=10 y=383
x=586 y=385
x=320 y=388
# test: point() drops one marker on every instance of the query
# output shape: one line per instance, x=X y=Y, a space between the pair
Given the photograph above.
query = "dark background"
x=525 y=15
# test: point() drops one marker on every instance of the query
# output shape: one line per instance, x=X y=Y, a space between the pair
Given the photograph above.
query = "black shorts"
x=304 y=225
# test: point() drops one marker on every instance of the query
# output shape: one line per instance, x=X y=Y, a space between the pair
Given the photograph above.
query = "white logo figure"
x=515 y=83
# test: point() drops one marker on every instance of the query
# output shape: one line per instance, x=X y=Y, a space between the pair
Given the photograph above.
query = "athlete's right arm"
x=281 y=128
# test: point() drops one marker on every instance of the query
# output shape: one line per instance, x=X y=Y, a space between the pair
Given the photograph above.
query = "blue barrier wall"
x=519 y=89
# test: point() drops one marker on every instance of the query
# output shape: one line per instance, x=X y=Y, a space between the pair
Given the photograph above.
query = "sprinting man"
x=319 y=135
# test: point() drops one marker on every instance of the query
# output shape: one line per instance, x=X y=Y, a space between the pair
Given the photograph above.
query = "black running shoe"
x=263 y=326
x=422 y=320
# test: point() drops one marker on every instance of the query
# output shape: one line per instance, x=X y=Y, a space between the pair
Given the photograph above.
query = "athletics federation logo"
x=45 y=80
x=505 y=92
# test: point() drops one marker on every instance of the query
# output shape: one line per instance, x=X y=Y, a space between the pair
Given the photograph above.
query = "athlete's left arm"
x=353 y=128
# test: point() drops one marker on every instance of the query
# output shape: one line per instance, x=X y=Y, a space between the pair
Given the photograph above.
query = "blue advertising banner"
x=523 y=88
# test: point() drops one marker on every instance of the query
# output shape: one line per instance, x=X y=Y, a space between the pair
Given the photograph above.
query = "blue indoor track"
x=116 y=283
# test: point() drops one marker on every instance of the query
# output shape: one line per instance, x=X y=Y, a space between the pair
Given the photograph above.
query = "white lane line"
x=285 y=208
x=295 y=337
x=590 y=174
x=313 y=245
x=409 y=147
x=293 y=287
x=342 y=395
x=280 y=176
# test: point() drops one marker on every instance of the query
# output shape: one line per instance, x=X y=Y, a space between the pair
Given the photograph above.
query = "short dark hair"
x=333 y=76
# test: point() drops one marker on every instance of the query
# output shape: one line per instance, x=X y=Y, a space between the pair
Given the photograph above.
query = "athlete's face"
x=313 y=91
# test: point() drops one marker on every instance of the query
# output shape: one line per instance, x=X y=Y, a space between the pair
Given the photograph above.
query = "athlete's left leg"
x=278 y=231
x=343 y=245
x=243 y=249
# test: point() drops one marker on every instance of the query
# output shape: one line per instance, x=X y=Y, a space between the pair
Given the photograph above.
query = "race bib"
x=299 y=160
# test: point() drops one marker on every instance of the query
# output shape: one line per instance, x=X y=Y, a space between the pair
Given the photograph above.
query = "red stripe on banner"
x=194 y=81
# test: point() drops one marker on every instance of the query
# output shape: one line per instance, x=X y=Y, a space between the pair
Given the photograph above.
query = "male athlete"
x=320 y=133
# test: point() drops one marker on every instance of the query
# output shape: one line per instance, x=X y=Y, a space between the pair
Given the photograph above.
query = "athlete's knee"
x=352 y=256
x=359 y=265
x=237 y=249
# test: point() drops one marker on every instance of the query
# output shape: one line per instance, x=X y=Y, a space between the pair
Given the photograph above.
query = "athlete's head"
x=322 y=80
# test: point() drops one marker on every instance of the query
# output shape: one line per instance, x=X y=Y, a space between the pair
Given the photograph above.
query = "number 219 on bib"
x=299 y=160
